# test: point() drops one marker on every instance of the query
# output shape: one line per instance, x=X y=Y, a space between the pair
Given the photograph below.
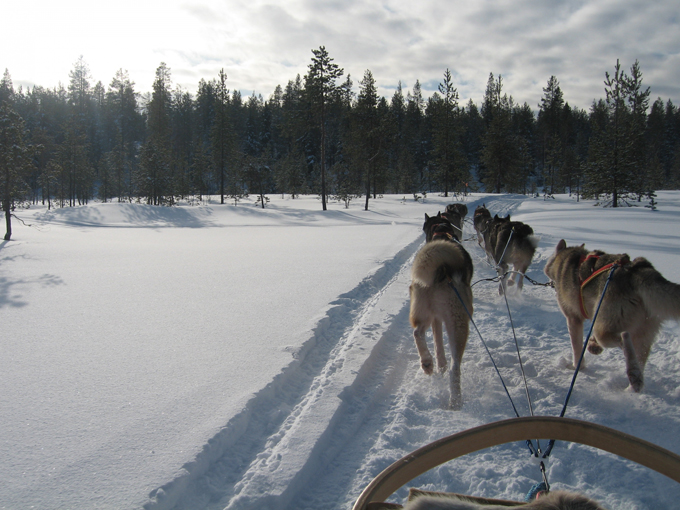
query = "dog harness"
x=594 y=274
x=441 y=234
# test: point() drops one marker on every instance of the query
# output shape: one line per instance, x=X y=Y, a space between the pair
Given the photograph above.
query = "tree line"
x=67 y=146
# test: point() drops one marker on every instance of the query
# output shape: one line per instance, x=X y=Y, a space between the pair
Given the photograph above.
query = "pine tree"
x=501 y=150
x=638 y=104
x=153 y=179
x=121 y=101
x=447 y=149
x=367 y=132
x=15 y=162
x=549 y=126
x=617 y=166
x=322 y=90
x=6 y=88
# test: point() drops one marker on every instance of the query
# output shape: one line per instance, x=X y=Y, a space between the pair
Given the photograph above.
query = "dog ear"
x=561 y=246
x=439 y=214
x=426 y=217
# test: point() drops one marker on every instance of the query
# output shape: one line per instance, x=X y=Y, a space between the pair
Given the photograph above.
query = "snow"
x=221 y=356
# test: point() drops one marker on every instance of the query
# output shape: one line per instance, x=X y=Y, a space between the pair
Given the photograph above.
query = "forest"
x=66 y=146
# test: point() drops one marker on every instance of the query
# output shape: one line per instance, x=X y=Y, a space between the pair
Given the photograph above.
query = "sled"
x=516 y=429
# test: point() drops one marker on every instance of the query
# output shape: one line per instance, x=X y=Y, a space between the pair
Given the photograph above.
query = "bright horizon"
x=261 y=45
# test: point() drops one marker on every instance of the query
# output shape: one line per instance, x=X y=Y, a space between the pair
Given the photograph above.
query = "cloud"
x=263 y=43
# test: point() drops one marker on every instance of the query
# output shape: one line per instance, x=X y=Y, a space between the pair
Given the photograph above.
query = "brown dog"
x=637 y=301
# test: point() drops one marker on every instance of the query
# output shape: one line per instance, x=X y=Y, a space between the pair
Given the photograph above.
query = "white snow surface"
x=229 y=357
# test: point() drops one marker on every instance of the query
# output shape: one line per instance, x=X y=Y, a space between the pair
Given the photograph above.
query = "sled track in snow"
x=288 y=432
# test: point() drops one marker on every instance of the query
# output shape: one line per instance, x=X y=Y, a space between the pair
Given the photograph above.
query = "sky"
x=262 y=44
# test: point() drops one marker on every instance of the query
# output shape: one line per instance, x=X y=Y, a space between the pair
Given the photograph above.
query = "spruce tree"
x=15 y=162
x=321 y=87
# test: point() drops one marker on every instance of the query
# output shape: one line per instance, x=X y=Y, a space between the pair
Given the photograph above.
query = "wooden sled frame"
x=518 y=429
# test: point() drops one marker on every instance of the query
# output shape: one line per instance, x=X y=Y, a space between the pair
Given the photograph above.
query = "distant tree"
x=15 y=162
x=367 y=134
x=447 y=151
x=322 y=89
x=125 y=130
x=155 y=160
x=80 y=90
x=501 y=149
x=416 y=135
x=549 y=124
x=618 y=147
x=6 y=88
x=222 y=138
x=638 y=104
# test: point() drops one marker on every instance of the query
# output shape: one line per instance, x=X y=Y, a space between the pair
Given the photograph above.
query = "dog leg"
x=633 y=368
x=439 y=352
x=594 y=347
x=421 y=344
x=502 y=286
x=575 y=327
x=521 y=271
x=458 y=331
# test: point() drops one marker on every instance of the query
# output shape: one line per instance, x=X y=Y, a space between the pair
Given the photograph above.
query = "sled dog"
x=438 y=268
x=456 y=213
x=481 y=218
x=444 y=232
x=510 y=242
x=432 y=221
x=637 y=301
x=557 y=500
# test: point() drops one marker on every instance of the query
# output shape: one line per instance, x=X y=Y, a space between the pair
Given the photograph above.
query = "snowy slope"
x=228 y=357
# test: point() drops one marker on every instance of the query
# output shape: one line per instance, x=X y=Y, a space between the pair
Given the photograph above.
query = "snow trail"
x=293 y=428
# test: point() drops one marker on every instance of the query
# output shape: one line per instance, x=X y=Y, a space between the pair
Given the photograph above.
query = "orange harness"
x=592 y=277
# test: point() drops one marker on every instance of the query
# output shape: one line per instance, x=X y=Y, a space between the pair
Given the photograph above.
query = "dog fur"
x=635 y=305
x=433 y=301
x=557 y=500
x=510 y=242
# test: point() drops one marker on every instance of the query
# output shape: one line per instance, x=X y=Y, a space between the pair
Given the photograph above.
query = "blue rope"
x=551 y=443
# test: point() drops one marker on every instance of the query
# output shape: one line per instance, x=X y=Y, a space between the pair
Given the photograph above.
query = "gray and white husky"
x=637 y=301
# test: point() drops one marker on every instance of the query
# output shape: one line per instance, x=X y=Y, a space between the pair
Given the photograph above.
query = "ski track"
x=355 y=400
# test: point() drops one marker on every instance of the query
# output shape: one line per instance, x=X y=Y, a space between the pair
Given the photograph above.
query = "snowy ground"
x=218 y=357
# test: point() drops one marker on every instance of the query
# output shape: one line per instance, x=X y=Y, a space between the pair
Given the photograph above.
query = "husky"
x=637 y=301
x=431 y=221
x=510 y=242
x=444 y=231
x=456 y=213
x=440 y=293
x=481 y=218
x=557 y=500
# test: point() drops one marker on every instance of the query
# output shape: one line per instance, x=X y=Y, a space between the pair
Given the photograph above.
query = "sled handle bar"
x=518 y=429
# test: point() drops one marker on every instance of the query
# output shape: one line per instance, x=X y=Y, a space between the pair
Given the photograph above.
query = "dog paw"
x=636 y=382
x=441 y=368
x=594 y=348
x=456 y=404
x=427 y=366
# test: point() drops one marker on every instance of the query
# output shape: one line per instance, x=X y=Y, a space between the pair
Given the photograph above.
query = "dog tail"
x=660 y=296
x=534 y=240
